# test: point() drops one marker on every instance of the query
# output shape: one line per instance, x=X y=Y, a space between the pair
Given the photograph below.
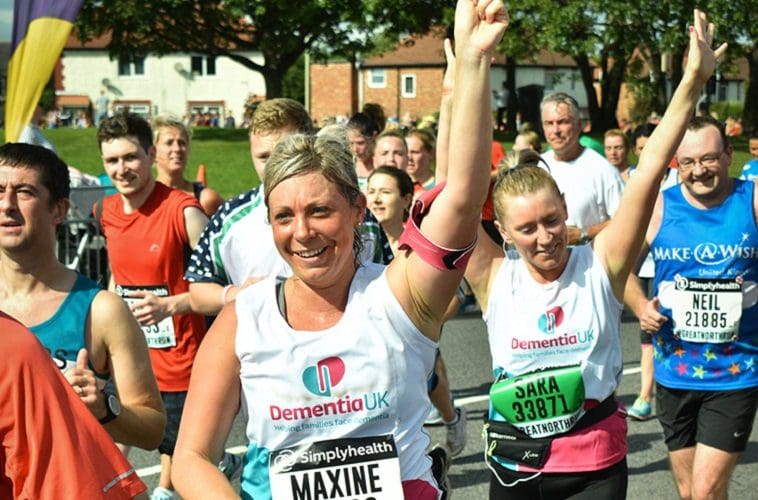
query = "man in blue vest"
x=704 y=313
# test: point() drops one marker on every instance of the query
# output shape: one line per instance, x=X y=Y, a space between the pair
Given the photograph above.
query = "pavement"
x=466 y=353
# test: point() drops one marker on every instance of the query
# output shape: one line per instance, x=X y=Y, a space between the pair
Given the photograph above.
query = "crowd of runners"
x=313 y=305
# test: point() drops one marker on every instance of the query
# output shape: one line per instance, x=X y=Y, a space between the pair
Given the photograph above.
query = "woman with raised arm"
x=553 y=318
x=330 y=365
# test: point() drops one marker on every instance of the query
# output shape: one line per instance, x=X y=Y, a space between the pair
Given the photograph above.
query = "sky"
x=6 y=20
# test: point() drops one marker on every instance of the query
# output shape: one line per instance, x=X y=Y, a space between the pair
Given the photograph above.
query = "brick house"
x=407 y=80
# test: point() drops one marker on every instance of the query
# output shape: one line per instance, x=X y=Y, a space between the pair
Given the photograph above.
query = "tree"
x=519 y=43
x=595 y=33
x=737 y=23
x=280 y=31
x=662 y=36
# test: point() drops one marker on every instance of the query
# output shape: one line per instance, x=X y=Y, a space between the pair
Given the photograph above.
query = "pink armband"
x=444 y=259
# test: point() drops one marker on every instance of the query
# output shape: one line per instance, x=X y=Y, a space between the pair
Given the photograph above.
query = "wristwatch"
x=112 y=407
x=583 y=236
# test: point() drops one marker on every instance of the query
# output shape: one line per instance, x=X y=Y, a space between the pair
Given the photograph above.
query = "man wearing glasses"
x=704 y=314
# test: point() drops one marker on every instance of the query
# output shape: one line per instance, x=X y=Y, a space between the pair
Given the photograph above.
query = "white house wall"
x=569 y=80
x=166 y=84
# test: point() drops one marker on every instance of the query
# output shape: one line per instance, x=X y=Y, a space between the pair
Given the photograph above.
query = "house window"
x=131 y=66
x=722 y=88
x=409 y=86
x=377 y=78
x=552 y=78
x=203 y=65
x=140 y=109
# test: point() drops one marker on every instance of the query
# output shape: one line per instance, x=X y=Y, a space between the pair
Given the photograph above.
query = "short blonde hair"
x=523 y=177
x=617 y=132
x=426 y=137
x=161 y=122
x=300 y=154
x=279 y=114
x=532 y=138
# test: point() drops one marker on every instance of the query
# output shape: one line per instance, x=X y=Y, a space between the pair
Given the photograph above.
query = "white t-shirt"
x=592 y=187
x=574 y=320
x=363 y=377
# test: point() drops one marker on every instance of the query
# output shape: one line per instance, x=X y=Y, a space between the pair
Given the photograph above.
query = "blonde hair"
x=520 y=174
x=617 y=132
x=396 y=133
x=426 y=137
x=161 y=122
x=532 y=138
x=279 y=114
x=300 y=154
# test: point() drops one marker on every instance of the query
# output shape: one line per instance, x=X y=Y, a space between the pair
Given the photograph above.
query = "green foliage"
x=293 y=84
x=725 y=109
x=607 y=33
x=644 y=100
x=47 y=99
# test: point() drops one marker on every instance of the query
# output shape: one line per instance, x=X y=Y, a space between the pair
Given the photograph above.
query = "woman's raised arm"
x=619 y=243
x=422 y=282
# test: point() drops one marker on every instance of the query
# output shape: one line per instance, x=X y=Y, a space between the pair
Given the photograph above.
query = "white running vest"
x=365 y=376
x=574 y=320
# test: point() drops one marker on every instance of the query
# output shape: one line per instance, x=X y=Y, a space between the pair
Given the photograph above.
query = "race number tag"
x=160 y=335
x=707 y=310
x=543 y=403
x=354 y=469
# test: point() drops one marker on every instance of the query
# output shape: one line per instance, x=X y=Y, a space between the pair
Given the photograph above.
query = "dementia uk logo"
x=327 y=373
x=549 y=321
x=320 y=380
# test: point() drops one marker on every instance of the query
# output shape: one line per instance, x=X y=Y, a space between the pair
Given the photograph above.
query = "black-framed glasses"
x=709 y=160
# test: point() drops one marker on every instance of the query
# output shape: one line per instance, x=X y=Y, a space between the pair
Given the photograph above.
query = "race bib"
x=706 y=310
x=353 y=468
x=158 y=336
x=543 y=403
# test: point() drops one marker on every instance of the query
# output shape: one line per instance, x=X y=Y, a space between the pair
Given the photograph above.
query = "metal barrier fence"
x=80 y=244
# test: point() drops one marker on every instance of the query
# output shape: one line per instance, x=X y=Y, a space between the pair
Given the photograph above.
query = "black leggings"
x=605 y=484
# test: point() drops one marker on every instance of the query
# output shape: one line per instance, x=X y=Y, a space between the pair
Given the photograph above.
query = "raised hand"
x=480 y=24
x=448 y=80
x=701 y=59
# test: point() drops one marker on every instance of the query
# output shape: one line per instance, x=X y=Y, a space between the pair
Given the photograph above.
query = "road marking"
x=149 y=471
x=470 y=400
x=156 y=469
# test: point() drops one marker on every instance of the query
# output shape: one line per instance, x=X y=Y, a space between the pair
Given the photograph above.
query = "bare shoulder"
x=195 y=221
x=194 y=213
x=108 y=312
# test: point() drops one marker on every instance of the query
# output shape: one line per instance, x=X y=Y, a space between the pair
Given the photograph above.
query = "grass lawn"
x=226 y=155
x=224 y=152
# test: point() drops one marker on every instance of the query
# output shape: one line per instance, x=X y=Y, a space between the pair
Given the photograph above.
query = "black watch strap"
x=112 y=408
